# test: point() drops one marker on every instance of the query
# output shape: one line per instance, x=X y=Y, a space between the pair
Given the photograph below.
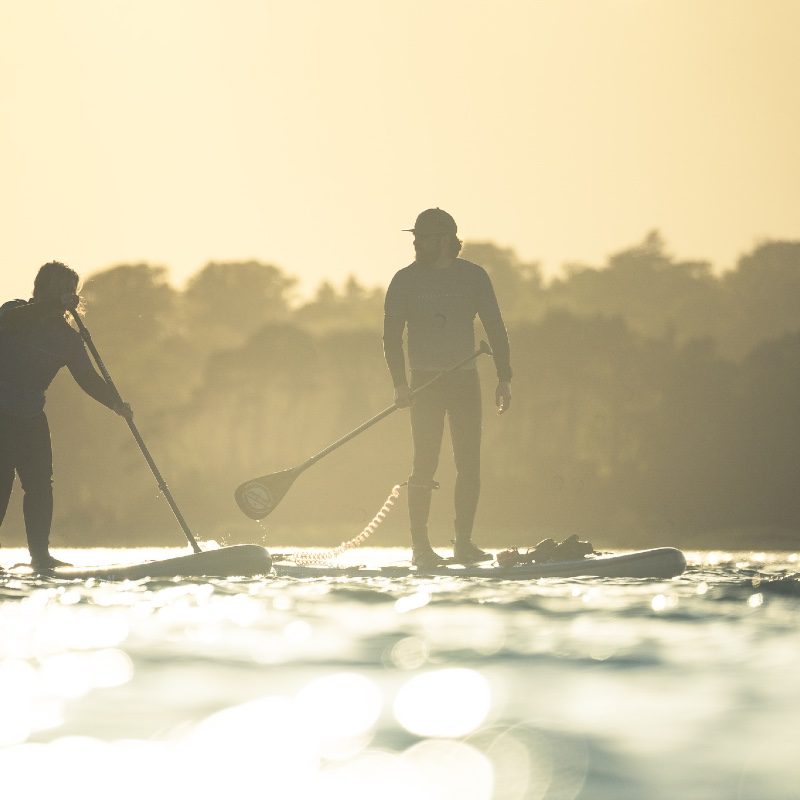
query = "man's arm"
x=394 y=322
x=94 y=385
x=492 y=321
x=85 y=375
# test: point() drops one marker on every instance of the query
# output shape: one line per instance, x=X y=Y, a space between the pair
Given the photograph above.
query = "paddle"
x=258 y=497
x=163 y=488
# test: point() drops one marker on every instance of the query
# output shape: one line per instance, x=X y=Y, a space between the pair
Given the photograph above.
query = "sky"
x=308 y=133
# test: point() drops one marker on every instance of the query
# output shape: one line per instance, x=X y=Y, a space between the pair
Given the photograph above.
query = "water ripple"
x=436 y=687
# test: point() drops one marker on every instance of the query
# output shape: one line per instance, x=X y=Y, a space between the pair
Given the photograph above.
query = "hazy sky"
x=307 y=133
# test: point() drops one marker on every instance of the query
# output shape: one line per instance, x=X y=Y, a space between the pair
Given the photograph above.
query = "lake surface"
x=420 y=688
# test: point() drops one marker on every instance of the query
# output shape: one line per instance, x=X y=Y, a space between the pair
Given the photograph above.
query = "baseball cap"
x=434 y=221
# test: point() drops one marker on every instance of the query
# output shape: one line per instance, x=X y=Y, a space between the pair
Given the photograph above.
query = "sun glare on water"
x=318 y=742
x=445 y=703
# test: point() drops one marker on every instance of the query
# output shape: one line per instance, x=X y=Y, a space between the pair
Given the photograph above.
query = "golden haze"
x=308 y=133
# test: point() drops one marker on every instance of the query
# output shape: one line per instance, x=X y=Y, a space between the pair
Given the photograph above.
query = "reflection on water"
x=447 y=703
x=411 y=688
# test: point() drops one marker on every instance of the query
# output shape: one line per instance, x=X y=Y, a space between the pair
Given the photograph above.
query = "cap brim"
x=408 y=230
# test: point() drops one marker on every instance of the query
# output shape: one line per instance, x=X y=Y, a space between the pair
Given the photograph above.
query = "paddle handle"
x=162 y=484
x=483 y=348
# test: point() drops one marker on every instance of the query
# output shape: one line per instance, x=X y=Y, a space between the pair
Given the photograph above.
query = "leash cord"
x=307 y=559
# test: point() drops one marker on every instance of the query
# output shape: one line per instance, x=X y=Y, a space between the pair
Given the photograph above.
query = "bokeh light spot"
x=454 y=770
x=409 y=653
x=444 y=703
x=340 y=707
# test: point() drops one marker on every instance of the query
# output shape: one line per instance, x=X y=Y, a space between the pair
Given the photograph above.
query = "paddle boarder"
x=35 y=342
x=437 y=298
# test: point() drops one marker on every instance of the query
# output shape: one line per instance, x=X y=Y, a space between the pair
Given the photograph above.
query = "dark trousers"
x=25 y=448
x=457 y=396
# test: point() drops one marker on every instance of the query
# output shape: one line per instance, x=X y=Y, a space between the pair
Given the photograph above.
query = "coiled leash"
x=307 y=558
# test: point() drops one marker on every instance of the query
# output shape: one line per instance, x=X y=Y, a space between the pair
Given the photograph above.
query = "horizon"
x=303 y=292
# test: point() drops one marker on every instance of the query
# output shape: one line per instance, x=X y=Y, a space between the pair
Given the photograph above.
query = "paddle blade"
x=257 y=498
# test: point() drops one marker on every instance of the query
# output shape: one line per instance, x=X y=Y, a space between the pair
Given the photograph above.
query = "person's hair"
x=54 y=279
x=455 y=245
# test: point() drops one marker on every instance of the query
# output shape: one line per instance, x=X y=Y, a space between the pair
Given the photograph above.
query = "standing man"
x=35 y=342
x=438 y=297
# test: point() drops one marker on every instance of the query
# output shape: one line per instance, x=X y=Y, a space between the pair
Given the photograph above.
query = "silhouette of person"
x=437 y=298
x=35 y=342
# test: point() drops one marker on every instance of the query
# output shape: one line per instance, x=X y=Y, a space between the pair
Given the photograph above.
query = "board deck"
x=251 y=559
x=659 y=562
x=240 y=559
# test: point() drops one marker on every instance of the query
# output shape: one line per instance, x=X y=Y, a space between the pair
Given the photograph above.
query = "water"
x=409 y=688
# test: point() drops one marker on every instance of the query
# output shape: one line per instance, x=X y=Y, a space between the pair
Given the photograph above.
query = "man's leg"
x=35 y=468
x=464 y=411
x=427 y=426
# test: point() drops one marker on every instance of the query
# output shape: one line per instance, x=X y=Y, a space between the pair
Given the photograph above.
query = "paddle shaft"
x=162 y=485
x=484 y=348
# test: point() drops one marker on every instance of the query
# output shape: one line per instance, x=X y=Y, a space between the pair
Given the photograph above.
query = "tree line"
x=655 y=401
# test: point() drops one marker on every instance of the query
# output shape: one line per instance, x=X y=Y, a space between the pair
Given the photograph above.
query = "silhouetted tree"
x=226 y=302
x=517 y=284
x=130 y=304
x=354 y=307
x=762 y=296
x=654 y=402
x=655 y=294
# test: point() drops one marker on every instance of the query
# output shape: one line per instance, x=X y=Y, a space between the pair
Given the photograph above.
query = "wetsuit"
x=439 y=306
x=35 y=342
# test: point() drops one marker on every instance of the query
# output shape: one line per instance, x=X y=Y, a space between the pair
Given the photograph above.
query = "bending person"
x=35 y=342
x=438 y=297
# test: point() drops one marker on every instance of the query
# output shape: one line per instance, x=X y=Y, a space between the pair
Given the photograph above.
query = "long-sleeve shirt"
x=35 y=342
x=439 y=306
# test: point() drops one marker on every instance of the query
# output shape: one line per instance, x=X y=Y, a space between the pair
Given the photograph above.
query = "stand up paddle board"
x=658 y=563
x=240 y=559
